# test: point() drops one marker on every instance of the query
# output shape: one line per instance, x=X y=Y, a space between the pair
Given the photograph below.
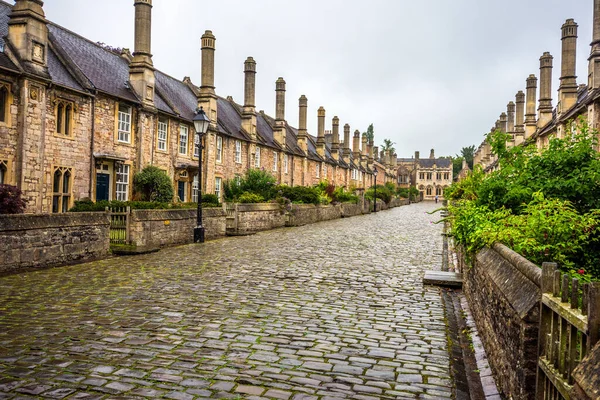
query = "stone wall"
x=351 y=210
x=504 y=295
x=259 y=217
x=28 y=241
x=587 y=377
x=160 y=228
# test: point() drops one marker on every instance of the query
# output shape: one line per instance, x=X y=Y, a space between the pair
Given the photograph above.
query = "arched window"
x=3 y=172
x=429 y=191
x=64 y=117
x=3 y=103
x=61 y=189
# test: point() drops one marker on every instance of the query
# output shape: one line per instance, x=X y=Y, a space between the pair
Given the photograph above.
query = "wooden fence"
x=119 y=224
x=569 y=328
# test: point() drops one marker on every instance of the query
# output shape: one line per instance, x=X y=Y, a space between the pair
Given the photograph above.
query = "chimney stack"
x=356 y=146
x=141 y=69
x=249 y=109
x=28 y=34
x=530 y=121
x=503 y=123
x=567 y=91
x=545 y=107
x=280 y=128
x=207 y=99
x=347 y=146
x=376 y=153
x=335 y=141
x=510 y=109
x=321 y=131
x=370 y=152
x=302 y=132
x=594 y=60
x=416 y=155
x=432 y=154
x=520 y=117
x=364 y=154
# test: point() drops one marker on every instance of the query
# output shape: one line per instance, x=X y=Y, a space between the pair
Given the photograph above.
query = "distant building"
x=430 y=175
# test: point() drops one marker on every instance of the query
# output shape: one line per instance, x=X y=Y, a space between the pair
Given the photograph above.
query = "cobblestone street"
x=326 y=311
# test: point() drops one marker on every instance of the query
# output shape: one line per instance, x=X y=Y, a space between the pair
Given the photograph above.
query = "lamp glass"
x=201 y=122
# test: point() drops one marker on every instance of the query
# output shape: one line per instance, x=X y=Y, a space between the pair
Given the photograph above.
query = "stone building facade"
x=525 y=125
x=78 y=120
x=430 y=175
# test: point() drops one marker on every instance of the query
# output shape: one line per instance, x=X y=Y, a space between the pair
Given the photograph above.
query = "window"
x=183 y=139
x=324 y=170
x=438 y=191
x=195 y=189
x=421 y=175
x=162 y=134
x=197 y=146
x=218 y=188
x=64 y=118
x=122 y=171
x=124 y=124
x=238 y=152
x=354 y=175
x=429 y=191
x=3 y=172
x=4 y=99
x=318 y=170
x=438 y=176
x=257 y=158
x=429 y=176
x=285 y=163
x=61 y=189
x=275 y=161
x=219 y=149
x=446 y=175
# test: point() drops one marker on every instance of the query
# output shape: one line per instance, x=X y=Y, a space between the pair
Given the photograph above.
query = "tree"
x=370 y=133
x=388 y=145
x=11 y=201
x=457 y=165
x=468 y=153
x=153 y=184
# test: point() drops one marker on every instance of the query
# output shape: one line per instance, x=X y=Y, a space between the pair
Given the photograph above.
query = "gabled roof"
x=5 y=62
x=439 y=162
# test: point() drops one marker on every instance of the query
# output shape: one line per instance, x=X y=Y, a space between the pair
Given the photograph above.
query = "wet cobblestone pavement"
x=326 y=311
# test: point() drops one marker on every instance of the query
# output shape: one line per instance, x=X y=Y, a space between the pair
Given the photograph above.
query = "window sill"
x=61 y=136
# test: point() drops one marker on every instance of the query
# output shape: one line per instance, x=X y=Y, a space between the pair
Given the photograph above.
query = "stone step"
x=441 y=278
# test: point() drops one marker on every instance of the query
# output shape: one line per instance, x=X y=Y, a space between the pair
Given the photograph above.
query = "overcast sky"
x=427 y=73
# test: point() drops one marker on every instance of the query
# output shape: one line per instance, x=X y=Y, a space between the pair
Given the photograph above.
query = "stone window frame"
x=238 y=152
x=184 y=140
x=62 y=196
x=4 y=172
x=218 y=187
x=124 y=123
x=64 y=114
x=324 y=167
x=429 y=176
x=257 y=158
x=285 y=163
x=122 y=186
x=275 y=161
x=196 y=145
x=318 y=170
x=219 y=147
x=6 y=99
x=162 y=123
x=428 y=190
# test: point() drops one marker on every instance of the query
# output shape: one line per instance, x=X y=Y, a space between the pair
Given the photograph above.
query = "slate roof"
x=439 y=162
x=5 y=62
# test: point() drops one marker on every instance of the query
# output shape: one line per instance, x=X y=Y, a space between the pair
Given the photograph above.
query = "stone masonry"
x=331 y=310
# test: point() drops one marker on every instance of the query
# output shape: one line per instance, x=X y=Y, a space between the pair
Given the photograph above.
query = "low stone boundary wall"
x=28 y=241
x=259 y=217
x=350 y=210
x=503 y=290
x=160 y=228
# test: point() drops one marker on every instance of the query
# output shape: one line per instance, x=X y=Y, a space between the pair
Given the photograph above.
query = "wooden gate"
x=569 y=328
x=119 y=224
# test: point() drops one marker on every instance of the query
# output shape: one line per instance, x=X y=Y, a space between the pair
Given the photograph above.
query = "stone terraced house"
x=430 y=175
x=575 y=100
x=78 y=120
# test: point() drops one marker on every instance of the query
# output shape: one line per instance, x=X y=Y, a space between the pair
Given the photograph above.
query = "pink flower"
x=581 y=271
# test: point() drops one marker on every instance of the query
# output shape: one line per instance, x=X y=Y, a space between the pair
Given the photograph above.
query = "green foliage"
x=370 y=133
x=153 y=184
x=11 y=201
x=248 y=197
x=457 y=165
x=468 y=153
x=340 y=195
x=543 y=204
x=90 y=206
x=388 y=145
x=382 y=192
x=210 y=199
x=255 y=181
x=299 y=194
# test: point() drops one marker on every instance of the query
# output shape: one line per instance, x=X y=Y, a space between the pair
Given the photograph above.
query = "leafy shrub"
x=210 y=198
x=383 y=193
x=299 y=194
x=11 y=201
x=248 y=197
x=90 y=206
x=403 y=192
x=342 y=196
x=255 y=181
x=153 y=184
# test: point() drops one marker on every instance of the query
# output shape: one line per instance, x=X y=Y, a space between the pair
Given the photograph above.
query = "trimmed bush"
x=248 y=197
x=299 y=194
x=153 y=184
x=11 y=201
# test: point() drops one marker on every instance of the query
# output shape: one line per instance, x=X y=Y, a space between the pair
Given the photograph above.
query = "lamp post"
x=375 y=187
x=201 y=124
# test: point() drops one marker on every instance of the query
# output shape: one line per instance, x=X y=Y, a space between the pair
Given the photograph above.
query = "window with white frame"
x=124 y=134
x=219 y=149
x=122 y=172
x=285 y=163
x=218 y=182
x=61 y=189
x=183 y=139
x=318 y=170
x=196 y=145
x=238 y=152
x=195 y=189
x=162 y=134
x=257 y=158
x=324 y=170
x=275 y=161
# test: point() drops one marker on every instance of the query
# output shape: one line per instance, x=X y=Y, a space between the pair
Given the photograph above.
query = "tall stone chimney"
x=280 y=128
x=545 y=107
x=594 y=60
x=567 y=91
x=376 y=153
x=356 y=146
x=207 y=99
x=321 y=131
x=28 y=34
x=347 y=150
x=417 y=155
x=141 y=68
x=249 y=110
x=530 y=120
x=510 y=111
x=364 y=157
x=335 y=142
x=370 y=152
x=432 y=154
x=503 y=123
x=520 y=115
x=302 y=132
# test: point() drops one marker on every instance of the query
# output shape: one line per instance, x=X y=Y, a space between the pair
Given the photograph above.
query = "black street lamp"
x=201 y=124
x=375 y=187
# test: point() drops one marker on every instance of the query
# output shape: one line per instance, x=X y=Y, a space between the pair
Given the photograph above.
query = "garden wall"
x=503 y=290
x=28 y=241
x=160 y=228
